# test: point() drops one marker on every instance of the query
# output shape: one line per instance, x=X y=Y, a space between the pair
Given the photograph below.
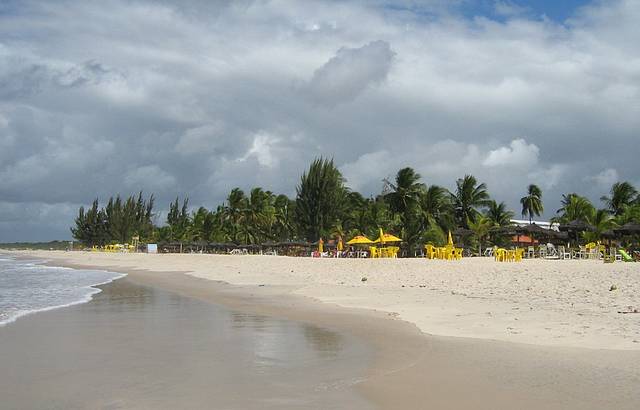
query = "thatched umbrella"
x=576 y=226
x=630 y=228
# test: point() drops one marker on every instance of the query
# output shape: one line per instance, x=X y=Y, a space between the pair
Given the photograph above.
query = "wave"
x=28 y=287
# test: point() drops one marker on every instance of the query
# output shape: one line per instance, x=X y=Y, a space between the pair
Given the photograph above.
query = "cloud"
x=150 y=177
x=518 y=153
x=351 y=71
x=194 y=98
x=605 y=179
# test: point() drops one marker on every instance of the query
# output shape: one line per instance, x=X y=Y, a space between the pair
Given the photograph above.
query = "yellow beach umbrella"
x=387 y=238
x=340 y=245
x=360 y=240
x=450 y=240
x=320 y=245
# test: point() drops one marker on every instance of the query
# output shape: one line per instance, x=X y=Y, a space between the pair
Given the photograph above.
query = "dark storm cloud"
x=195 y=98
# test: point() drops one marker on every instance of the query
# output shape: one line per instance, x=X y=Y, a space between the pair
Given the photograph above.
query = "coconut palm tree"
x=435 y=206
x=623 y=194
x=532 y=202
x=469 y=196
x=480 y=228
x=498 y=214
x=575 y=207
x=403 y=196
x=601 y=220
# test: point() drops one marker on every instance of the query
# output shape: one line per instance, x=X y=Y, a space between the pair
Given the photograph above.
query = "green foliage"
x=403 y=197
x=532 y=202
x=480 y=228
x=468 y=197
x=575 y=208
x=321 y=199
x=117 y=222
x=622 y=196
x=498 y=214
x=325 y=208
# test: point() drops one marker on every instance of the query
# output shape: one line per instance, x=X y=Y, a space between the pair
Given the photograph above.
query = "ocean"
x=27 y=286
x=134 y=346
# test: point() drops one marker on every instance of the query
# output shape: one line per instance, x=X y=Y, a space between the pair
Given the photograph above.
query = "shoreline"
x=536 y=302
x=411 y=368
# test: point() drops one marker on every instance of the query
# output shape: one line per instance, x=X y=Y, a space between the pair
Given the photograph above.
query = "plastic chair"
x=564 y=254
x=458 y=253
x=519 y=254
x=542 y=251
x=431 y=251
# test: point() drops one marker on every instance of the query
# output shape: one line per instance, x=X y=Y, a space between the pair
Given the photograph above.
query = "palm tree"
x=480 y=229
x=468 y=197
x=498 y=214
x=601 y=220
x=405 y=192
x=435 y=206
x=532 y=203
x=233 y=213
x=575 y=208
x=404 y=200
x=623 y=194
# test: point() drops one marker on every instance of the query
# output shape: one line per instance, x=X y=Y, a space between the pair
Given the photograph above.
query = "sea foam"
x=27 y=286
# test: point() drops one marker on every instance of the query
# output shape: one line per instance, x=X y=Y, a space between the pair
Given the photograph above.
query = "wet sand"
x=411 y=370
x=143 y=347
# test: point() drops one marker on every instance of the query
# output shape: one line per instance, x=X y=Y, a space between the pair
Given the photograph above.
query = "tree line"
x=324 y=207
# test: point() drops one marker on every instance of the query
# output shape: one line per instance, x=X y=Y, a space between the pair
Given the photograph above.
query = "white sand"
x=544 y=302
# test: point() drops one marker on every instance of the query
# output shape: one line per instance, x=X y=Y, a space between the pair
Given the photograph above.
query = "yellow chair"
x=457 y=253
x=500 y=255
x=374 y=252
x=511 y=255
x=430 y=251
x=519 y=254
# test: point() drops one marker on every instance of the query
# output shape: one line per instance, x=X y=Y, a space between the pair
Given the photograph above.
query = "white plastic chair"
x=563 y=253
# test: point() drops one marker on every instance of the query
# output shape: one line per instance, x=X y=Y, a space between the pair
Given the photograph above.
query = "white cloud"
x=604 y=179
x=518 y=153
x=262 y=150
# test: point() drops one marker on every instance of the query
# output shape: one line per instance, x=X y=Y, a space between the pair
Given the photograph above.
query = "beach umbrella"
x=576 y=226
x=630 y=228
x=340 y=245
x=449 y=239
x=360 y=240
x=320 y=246
x=533 y=229
x=387 y=238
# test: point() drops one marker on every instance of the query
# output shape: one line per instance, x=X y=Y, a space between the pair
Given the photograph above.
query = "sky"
x=197 y=97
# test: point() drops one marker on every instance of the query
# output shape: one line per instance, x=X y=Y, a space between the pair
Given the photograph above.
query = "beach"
x=543 y=302
x=472 y=333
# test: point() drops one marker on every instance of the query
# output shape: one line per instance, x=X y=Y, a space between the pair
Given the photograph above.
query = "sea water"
x=29 y=286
